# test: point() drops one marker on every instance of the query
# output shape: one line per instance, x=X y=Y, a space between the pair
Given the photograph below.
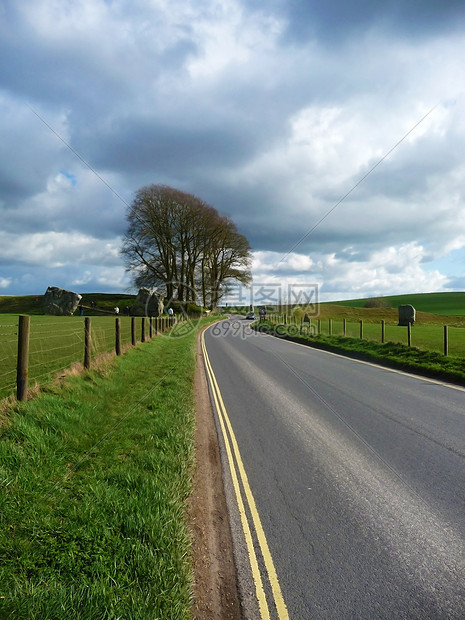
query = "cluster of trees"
x=182 y=246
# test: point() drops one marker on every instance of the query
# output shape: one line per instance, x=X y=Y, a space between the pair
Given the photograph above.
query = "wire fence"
x=444 y=339
x=8 y=352
x=56 y=343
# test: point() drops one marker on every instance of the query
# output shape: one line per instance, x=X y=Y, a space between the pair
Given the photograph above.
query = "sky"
x=332 y=133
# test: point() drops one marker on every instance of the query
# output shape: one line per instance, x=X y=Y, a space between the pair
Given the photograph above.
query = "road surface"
x=345 y=481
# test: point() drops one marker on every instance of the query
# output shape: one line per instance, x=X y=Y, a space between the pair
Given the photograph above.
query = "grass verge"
x=393 y=355
x=95 y=475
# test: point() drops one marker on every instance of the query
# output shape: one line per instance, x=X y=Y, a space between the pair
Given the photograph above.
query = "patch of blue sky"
x=453 y=264
x=71 y=177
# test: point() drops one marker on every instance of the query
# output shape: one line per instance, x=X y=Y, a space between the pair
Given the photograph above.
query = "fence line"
x=444 y=339
x=30 y=355
x=8 y=372
x=4 y=359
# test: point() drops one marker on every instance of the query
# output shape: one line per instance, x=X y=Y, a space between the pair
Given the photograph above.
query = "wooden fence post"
x=409 y=334
x=383 y=330
x=142 y=329
x=330 y=327
x=22 y=369
x=87 y=333
x=133 y=331
x=344 y=327
x=117 y=336
x=361 y=329
x=150 y=328
x=446 y=341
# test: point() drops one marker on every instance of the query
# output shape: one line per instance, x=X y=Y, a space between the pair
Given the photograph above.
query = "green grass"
x=394 y=352
x=427 y=332
x=434 y=303
x=375 y=315
x=55 y=343
x=21 y=304
x=429 y=337
x=95 y=475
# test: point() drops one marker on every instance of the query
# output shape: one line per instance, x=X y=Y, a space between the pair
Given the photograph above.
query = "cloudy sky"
x=270 y=111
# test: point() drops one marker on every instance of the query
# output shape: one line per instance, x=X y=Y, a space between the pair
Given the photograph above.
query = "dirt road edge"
x=215 y=578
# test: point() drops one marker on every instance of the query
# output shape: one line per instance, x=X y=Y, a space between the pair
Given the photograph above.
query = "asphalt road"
x=358 y=476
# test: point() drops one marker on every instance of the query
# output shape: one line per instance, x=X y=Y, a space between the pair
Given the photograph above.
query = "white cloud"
x=269 y=119
x=56 y=249
x=272 y=262
x=392 y=269
x=389 y=270
x=104 y=278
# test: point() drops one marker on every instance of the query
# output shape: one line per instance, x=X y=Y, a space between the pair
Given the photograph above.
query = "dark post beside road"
x=23 y=357
x=87 y=332
x=133 y=331
x=117 y=336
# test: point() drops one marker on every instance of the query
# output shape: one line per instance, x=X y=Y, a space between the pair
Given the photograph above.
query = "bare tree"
x=227 y=258
x=177 y=242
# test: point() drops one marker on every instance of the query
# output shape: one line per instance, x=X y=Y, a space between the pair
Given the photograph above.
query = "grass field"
x=375 y=315
x=432 y=303
x=95 y=475
x=427 y=347
x=428 y=336
x=55 y=343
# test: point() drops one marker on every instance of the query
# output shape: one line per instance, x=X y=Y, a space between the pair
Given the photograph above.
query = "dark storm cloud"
x=334 y=21
x=144 y=146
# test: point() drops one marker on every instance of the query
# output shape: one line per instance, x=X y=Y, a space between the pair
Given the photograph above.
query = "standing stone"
x=147 y=303
x=406 y=315
x=60 y=302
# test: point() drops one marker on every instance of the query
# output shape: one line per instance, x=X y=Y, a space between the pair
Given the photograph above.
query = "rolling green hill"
x=448 y=304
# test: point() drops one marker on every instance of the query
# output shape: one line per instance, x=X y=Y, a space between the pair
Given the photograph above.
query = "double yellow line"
x=244 y=497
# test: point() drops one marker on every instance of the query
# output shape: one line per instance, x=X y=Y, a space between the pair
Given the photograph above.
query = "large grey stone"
x=406 y=315
x=60 y=302
x=147 y=303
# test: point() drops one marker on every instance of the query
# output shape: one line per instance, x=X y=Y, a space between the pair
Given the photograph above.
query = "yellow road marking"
x=233 y=448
